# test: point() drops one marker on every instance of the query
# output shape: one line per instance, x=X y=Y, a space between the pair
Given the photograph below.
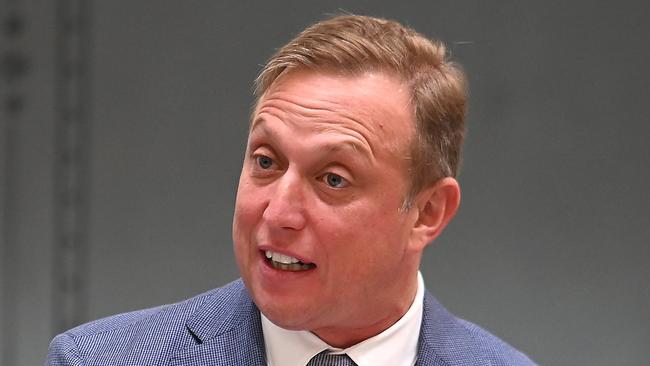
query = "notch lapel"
x=227 y=330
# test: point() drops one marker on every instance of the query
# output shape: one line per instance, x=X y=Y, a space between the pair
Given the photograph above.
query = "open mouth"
x=286 y=263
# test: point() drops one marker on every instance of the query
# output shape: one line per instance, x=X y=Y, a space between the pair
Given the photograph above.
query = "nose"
x=286 y=209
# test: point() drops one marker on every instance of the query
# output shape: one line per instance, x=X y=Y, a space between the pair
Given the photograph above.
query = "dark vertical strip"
x=71 y=165
x=13 y=69
x=57 y=275
x=58 y=288
x=85 y=93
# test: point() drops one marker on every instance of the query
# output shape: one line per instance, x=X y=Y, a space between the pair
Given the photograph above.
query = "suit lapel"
x=227 y=330
x=443 y=340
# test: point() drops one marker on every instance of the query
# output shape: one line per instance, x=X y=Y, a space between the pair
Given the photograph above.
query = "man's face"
x=322 y=184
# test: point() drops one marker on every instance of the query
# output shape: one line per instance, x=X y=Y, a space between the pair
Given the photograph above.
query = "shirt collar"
x=396 y=345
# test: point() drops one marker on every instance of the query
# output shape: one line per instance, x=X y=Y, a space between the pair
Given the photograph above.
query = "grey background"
x=549 y=250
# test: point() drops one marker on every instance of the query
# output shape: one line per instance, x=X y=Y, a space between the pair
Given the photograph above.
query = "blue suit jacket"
x=223 y=327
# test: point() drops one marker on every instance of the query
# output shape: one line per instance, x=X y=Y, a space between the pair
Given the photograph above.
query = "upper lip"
x=302 y=258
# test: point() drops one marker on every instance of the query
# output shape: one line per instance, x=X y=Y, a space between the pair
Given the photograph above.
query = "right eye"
x=264 y=162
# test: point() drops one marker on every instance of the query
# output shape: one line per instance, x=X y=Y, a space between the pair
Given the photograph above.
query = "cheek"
x=244 y=222
x=361 y=232
x=249 y=203
x=248 y=211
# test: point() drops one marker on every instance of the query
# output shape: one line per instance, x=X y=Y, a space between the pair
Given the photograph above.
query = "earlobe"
x=435 y=206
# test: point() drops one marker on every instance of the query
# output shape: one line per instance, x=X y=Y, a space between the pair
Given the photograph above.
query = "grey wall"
x=549 y=250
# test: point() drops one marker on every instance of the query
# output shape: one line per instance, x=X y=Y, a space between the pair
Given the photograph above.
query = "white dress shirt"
x=395 y=346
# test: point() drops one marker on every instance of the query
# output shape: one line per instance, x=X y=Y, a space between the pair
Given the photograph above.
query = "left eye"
x=264 y=162
x=335 y=180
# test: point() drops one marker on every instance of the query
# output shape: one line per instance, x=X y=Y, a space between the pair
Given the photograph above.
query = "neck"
x=344 y=337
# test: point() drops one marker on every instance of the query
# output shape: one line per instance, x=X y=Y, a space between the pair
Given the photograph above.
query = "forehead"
x=374 y=105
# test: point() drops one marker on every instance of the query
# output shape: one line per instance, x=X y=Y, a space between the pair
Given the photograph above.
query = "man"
x=349 y=172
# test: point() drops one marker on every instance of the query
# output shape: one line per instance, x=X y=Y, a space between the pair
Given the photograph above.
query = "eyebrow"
x=256 y=122
x=347 y=145
x=337 y=147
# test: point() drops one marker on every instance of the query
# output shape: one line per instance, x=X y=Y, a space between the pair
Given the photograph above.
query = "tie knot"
x=328 y=359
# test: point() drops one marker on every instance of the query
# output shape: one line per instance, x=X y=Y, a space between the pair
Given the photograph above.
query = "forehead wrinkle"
x=329 y=112
x=329 y=147
x=348 y=142
x=288 y=107
x=304 y=107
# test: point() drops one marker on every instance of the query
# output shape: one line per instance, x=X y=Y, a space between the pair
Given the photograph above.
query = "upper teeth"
x=277 y=257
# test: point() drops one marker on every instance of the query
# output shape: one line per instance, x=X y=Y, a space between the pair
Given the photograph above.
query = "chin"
x=289 y=315
x=286 y=321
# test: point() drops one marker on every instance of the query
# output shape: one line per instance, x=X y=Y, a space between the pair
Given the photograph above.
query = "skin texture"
x=323 y=180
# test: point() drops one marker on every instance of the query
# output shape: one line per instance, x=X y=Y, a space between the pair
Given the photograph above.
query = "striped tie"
x=326 y=359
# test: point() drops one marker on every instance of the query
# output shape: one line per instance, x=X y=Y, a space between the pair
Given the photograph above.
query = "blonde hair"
x=356 y=44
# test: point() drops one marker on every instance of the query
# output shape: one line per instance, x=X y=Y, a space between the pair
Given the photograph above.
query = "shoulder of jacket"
x=493 y=348
x=156 y=316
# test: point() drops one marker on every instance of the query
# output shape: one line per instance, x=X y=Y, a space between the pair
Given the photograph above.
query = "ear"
x=435 y=206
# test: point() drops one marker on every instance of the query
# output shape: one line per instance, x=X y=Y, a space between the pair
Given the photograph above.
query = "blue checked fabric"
x=326 y=359
x=223 y=328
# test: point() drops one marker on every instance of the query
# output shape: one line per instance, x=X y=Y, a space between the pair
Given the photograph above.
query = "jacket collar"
x=227 y=328
x=444 y=340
